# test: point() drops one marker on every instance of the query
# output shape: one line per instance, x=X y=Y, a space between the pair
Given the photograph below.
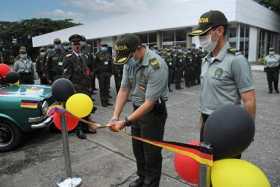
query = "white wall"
x=253 y=44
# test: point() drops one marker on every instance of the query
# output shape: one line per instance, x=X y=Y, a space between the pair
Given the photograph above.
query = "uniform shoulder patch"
x=154 y=63
x=234 y=51
x=68 y=55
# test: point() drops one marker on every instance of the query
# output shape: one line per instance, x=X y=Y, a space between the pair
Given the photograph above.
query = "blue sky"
x=80 y=10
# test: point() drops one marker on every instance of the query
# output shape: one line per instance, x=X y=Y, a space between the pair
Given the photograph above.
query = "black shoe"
x=270 y=92
x=151 y=183
x=277 y=91
x=137 y=183
x=80 y=134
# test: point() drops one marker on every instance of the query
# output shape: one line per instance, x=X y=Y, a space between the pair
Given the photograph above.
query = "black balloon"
x=12 y=77
x=230 y=130
x=62 y=89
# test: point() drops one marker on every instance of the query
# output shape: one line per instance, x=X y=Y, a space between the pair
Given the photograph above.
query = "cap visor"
x=199 y=32
x=121 y=60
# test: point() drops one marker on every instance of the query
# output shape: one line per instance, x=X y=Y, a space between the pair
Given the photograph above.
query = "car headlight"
x=45 y=107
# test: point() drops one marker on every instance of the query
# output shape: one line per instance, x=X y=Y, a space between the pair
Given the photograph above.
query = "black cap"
x=75 y=38
x=57 y=41
x=126 y=45
x=209 y=20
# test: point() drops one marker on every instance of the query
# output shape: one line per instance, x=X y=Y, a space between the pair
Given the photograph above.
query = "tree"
x=20 y=33
x=271 y=4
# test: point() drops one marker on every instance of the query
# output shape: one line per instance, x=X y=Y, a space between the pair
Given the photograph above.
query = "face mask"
x=42 y=53
x=56 y=47
x=23 y=55
x=271 y=52
x=207 y=43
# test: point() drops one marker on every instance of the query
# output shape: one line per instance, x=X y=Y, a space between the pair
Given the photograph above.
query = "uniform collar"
x=145 y=61
x=221 y=55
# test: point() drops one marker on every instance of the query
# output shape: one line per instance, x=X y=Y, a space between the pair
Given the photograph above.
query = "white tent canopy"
x=183 y=14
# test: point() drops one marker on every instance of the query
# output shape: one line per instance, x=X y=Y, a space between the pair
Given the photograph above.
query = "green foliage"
x=20 y=33
x=272 y=4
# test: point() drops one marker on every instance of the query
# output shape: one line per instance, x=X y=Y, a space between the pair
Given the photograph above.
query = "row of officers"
x=184 y=66
x=84 y=67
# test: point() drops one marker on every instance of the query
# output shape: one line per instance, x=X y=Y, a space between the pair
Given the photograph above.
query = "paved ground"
x=106 y=159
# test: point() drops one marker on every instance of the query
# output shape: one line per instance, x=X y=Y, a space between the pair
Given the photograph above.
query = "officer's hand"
x=116 y=126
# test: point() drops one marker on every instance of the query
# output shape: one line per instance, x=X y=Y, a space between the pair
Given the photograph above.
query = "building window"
x=168 y=36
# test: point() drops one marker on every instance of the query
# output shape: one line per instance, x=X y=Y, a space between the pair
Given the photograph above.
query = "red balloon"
x=4 y=70
x=186 y=167
x=71 y=121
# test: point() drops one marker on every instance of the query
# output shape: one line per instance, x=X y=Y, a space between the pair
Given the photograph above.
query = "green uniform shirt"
x=147 y=80
x=223 y=79
x=272 y=61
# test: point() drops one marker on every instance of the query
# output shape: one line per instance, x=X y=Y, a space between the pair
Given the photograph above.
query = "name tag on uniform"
x=60 y=63
x=106 y=63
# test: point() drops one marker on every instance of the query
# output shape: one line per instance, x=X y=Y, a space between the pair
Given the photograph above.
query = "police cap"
x=75 y=38
x=126 y=45
x=57 y=41
x=209 y=20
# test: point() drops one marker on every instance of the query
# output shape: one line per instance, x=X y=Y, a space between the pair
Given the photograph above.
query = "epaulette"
x=154 y=63
x=68 y=55
x=234 y=51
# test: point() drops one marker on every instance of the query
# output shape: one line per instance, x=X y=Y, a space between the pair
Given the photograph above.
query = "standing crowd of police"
x=183 y=64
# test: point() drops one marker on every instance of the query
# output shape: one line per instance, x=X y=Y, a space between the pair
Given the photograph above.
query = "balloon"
x=12 y=77
x=4 y=70
x=187 y=168
x=71 y=121
x=230 y=130
x=80 y=105
x=62 y=89
x=235 y=172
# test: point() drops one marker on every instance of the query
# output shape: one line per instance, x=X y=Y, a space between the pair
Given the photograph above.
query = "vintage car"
x=23 y=108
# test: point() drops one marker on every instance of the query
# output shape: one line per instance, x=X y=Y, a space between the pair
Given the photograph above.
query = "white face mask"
x=271 y=52
x=23 y=55
x=207 y=43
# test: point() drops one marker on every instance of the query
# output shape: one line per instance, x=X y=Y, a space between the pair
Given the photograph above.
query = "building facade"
x=253 y=28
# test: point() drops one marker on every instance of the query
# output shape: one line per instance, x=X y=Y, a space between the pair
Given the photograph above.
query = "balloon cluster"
x=8 y=76
x=229 y=130
x=78 y=104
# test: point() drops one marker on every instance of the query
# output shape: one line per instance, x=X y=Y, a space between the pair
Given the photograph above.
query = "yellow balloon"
x=79 y=105
x=237 y=173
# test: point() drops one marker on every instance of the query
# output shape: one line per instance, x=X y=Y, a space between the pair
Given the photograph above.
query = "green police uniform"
x=272 y=62
x=146 y=80
x=224 y=77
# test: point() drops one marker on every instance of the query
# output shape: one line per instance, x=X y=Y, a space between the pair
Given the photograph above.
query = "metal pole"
x=205 y=171
x=66 y=151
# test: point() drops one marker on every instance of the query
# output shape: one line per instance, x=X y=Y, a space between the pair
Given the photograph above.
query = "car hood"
x=24 y=91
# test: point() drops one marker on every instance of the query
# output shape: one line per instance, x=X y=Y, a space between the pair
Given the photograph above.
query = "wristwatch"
x=127 y=123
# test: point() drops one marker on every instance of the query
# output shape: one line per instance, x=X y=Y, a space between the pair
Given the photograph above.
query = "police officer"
x=41 y=66
x=272 y=62
x=145 y=76
x=24 y=66
x=171 y=69
x=188 y=67
x=55 y=61
x=178 y=64
x=226 y=77
x=103 y=72
x=118 y=73
x=75 y=69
